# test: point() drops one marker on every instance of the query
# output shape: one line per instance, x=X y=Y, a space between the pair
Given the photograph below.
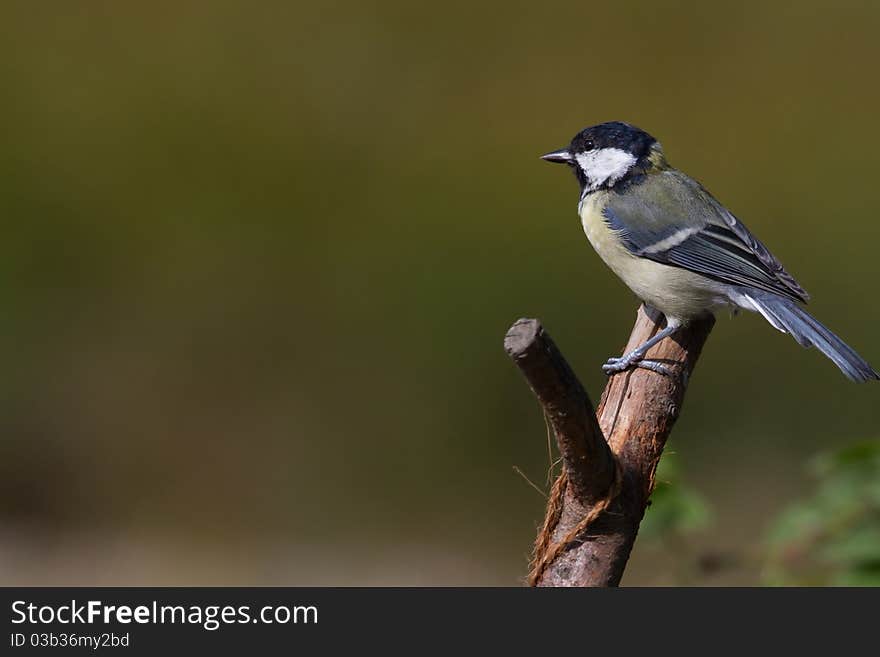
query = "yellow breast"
x=604 y=240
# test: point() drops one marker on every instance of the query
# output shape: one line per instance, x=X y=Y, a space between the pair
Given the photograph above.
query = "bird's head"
x=609 y=154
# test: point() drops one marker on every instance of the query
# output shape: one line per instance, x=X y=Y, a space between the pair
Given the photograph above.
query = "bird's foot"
x=622 y=363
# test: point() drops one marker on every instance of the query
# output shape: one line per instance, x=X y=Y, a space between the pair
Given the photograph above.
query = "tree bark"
x=609 y=456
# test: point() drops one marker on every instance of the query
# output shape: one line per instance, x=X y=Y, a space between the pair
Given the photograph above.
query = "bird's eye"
x=589 y=145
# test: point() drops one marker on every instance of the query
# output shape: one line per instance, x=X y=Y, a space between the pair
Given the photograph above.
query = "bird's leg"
x=637 y=356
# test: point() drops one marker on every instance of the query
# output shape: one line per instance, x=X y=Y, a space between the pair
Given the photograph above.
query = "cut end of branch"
x=521 y=336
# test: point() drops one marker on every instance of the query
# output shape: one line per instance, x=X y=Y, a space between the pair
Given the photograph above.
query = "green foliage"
x=833 y=537
x=676 y=509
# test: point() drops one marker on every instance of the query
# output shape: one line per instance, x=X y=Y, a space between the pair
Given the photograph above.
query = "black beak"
x=562 y=156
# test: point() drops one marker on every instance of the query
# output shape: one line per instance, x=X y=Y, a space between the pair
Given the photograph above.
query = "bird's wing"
x=671 y=219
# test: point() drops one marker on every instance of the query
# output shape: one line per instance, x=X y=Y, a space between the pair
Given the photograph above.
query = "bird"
x=679 y=250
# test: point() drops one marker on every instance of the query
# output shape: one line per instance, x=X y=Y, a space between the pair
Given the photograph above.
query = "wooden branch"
x=609 y=457
x=587 y=457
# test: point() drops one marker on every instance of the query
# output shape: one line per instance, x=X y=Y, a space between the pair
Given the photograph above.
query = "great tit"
x=680 y=250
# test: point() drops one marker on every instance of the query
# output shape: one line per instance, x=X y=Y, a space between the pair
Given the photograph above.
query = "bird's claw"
x=655 y=366
x=622 y=363
x=616 y=364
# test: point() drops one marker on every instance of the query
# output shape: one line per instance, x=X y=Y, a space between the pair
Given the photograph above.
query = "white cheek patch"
x=605 y=165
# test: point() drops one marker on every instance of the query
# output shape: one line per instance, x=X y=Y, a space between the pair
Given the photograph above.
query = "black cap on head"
x=614 y=134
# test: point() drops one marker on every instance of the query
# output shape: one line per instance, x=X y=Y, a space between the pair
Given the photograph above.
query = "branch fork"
x=609 y=455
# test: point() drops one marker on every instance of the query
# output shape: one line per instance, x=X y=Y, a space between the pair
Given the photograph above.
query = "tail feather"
x=787 y=316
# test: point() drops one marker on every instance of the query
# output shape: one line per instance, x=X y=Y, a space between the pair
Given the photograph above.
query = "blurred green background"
x=258 y=261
